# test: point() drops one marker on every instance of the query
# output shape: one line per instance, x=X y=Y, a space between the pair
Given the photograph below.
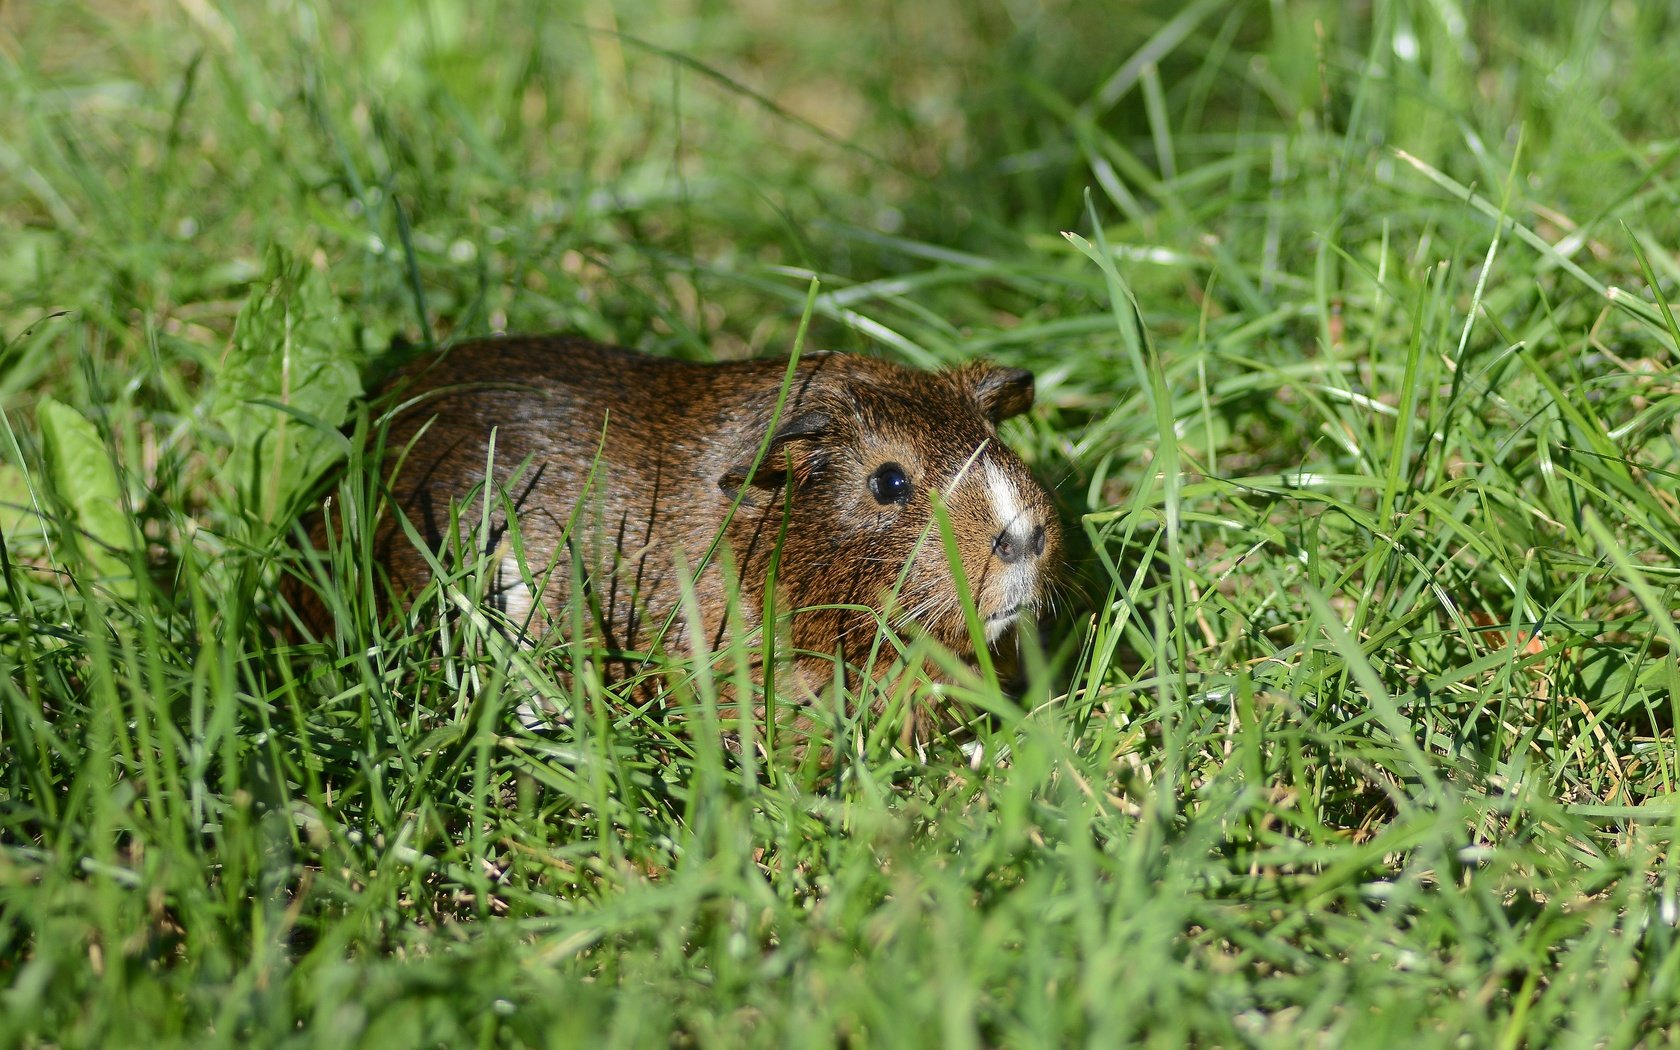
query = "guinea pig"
x=623 y=471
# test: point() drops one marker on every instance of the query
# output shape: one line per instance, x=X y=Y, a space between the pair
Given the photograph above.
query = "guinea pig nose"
x=1011 y=547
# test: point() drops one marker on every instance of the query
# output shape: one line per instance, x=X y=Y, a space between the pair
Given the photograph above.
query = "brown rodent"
x=659 y=451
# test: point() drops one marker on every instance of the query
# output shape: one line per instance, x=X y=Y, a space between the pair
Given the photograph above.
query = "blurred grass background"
x=1356 y=375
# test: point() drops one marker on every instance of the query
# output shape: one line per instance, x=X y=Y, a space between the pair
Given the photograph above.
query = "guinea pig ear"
x=999 y=393
x=773 y=470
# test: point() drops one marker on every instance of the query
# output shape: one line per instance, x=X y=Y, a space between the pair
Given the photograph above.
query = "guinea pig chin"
x=1017 y=596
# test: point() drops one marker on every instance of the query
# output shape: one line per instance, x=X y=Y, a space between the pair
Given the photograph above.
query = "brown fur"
x=632 y=464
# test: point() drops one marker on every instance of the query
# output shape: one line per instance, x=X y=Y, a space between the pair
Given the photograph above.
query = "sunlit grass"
x=1357 y=391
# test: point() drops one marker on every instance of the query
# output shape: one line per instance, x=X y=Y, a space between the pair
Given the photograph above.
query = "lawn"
x=1359 y=391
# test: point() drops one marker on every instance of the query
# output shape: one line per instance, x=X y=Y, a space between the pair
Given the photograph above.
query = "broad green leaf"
x=81 y=472
x=285 y=386
x=18 y=518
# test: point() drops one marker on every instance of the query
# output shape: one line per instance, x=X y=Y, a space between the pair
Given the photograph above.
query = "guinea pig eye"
x=889 y=485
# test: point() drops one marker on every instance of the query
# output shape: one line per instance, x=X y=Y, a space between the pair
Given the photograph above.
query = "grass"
x=1357 y=379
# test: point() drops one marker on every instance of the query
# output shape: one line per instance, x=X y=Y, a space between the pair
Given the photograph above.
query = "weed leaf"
x=96 y=519
x=286 y=383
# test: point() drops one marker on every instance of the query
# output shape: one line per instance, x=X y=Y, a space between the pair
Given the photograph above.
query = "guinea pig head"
x=858 y=463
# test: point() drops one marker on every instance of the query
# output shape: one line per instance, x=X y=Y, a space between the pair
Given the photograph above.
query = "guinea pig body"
x=624 y=470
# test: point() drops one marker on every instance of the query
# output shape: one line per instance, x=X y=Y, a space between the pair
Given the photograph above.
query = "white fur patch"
x=1006 y=498
x=508 y=592
x=511 y=591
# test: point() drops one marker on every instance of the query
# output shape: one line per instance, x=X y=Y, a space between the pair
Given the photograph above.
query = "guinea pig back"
x=622 y=470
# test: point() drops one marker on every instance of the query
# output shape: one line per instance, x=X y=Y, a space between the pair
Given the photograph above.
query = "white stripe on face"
x=1019 y=581
x=1006 y=499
